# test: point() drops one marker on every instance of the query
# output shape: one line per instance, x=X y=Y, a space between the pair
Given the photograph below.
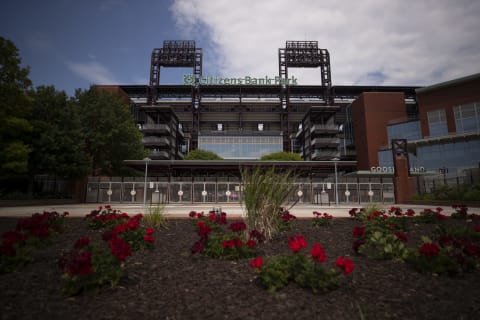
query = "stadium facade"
x=349 y=128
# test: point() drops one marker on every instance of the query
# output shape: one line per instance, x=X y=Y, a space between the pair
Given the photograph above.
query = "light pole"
x=336 y=181
x=145 y=185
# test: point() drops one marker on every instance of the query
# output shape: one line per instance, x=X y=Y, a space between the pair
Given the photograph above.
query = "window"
x=261 y=127
x=406 y=130
x=220 y=127
x=467 y=117
x=437 y=123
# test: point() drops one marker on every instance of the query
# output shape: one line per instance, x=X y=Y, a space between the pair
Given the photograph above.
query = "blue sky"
x=72 y=44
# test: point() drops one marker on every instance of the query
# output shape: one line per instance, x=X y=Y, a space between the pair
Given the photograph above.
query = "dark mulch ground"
x=169 y=283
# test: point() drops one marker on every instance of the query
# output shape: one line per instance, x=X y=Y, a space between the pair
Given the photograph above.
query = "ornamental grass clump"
x=155 y=217
x=307 y=271
x=265 y=191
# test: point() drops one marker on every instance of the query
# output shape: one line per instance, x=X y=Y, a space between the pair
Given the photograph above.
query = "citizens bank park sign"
x=189 y=79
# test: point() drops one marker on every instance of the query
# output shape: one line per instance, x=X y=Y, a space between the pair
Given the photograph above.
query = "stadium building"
x=344 y=133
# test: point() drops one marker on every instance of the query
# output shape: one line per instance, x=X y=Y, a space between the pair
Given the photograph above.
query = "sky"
x=73 y=44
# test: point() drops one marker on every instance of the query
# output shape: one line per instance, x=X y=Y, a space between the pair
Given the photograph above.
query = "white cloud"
x=93 y=72
x=396 y=42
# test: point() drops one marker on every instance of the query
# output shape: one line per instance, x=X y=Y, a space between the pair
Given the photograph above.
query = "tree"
x=14 y=111
x=56 y=138
x=109 y=130
x=200 y=154
x=282 y=156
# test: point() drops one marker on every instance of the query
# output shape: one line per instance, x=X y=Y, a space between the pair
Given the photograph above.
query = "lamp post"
x=336 y=181
x=145 y=184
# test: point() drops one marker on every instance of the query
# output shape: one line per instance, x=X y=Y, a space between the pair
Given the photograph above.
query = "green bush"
x=200 y=154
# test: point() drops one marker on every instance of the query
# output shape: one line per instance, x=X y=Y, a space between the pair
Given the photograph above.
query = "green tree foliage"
x=281 y=156
x=14 y=111
x=200 y=154
x=109 y=130
x=56 y=139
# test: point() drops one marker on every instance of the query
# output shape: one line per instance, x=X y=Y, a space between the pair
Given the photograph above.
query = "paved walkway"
x=182 y=210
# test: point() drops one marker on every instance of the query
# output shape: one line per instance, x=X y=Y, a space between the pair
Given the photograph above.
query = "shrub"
x=306 y=271
x=264 y=193
x=155 y=217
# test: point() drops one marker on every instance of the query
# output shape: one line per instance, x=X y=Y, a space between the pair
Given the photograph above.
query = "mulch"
x=169 y=282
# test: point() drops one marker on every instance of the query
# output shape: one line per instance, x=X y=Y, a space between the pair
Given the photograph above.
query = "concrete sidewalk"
x=181 y=210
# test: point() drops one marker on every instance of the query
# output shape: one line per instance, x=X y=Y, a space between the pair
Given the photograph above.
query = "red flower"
x=233 y=243
x=429 y=249
x=119 y=248
x=133 y=223
x=148 y=238
x=353 y=212
x=445 y=241
x=212 y=216
x=256 y=263
x=401 y=236
x=318 y=253
x=121 y=228
x=257 y=235
x=439 y=209
x=238 y=226
x=358 y=232
x=442 y=216
x=222 y=218
x=7 y=249
x=471 y=250
x=410 y=213
x=476 y=228
x=346 y=264
x=77 y=263
x=251 y=243
x=204 y=230
x=149 y=231
x=357 y=244
x=198 y=246
x=81 y=243
x=11 y=237
x=296 y=243
x=192 y=214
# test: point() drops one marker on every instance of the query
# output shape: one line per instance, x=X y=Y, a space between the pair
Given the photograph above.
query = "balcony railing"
x=155 y=127
x=325 y=154
x=324 y=128
x=155 y=141
x=333 y=142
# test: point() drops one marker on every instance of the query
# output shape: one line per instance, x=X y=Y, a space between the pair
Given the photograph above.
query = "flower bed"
x=168 y=281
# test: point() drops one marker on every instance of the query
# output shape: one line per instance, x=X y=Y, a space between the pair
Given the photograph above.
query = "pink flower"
x=318 y=253
x=256 y=263
x=346 y=264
